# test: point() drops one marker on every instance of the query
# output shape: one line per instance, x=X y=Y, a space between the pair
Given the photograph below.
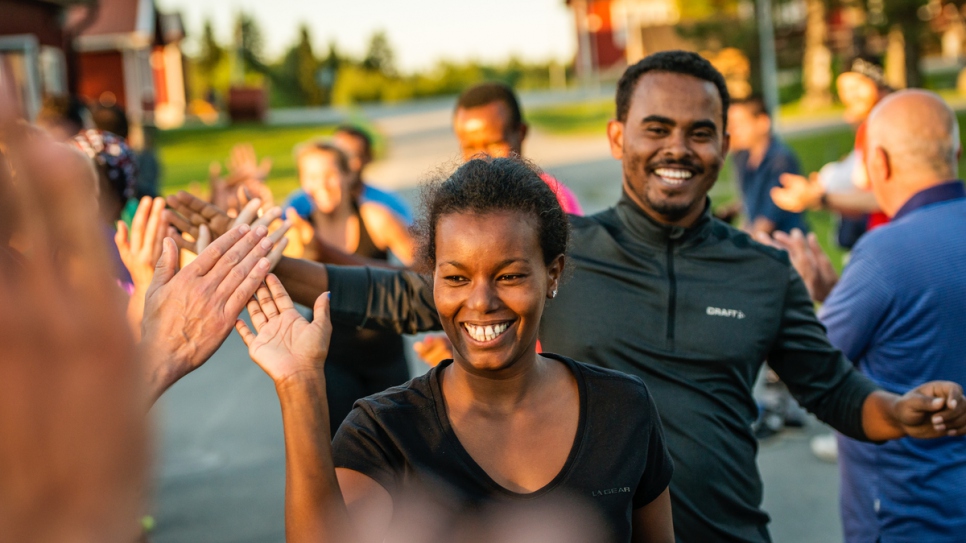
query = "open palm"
x=284 y=344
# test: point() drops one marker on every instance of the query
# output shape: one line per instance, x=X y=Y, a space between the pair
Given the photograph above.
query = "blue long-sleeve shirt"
x=899 y=313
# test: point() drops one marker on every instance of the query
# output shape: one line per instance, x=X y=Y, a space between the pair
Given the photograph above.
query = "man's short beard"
x=671 y=212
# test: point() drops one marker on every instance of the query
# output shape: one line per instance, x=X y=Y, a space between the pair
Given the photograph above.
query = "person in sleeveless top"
x=361 y=362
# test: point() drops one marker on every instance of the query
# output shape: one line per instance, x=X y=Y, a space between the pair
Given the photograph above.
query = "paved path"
x=220 y=474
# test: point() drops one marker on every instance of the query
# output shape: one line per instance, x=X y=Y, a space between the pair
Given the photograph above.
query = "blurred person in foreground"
x=663 y=291
x=63 y=117
x=74 y=387
x=499 y=423
x=357 y=144
x=843 y=187
x=897 y=314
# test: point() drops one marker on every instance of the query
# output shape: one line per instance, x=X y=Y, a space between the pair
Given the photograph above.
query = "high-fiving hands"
x=189 y=313
x=284 y=344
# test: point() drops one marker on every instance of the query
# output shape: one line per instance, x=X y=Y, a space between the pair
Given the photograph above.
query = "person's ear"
x=615 y=137
x=879 y=167
x=555 y=272
x=765 y=121
x=523 y=131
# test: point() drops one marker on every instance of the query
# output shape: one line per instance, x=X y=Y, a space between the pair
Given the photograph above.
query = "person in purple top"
x=897 y=313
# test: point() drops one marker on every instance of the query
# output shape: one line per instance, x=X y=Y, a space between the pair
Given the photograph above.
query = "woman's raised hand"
x=284 y=344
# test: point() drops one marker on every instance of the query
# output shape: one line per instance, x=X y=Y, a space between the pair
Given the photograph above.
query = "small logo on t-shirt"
x=609 y=491
x=722 y=312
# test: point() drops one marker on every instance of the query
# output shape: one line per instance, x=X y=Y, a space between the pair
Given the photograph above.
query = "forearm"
x=331 y=255
x=135 y=310
x=304 y=280
x=314 y=506
x=878 y=417
x=857 y=202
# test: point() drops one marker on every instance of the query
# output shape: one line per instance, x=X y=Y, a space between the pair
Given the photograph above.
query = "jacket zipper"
x=672 y=294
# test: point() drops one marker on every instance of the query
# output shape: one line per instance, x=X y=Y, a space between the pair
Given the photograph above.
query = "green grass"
x=186 y=153
x=577 y=118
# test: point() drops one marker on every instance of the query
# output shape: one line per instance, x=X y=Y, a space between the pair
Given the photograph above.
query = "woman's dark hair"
x=485 y=185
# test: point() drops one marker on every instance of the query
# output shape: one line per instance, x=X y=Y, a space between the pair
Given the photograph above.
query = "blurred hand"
x=433 y=349
x=808 y=258
x=188 y=212
x=244 y=172
x=250 y=215
x=73 y=457
x=798 y=193
x=935 y=409
x=189 y=313
x=284 y=344
x=140 y=248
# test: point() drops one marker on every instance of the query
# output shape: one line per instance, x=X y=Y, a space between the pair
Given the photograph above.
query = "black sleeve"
x=362 y=445
x=817 y=374
x=659 y=467
x=400 y=301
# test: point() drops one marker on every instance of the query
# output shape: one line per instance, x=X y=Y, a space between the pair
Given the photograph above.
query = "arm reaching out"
x=292 y=352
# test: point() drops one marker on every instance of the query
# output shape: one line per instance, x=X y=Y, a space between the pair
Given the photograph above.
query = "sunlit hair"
x=319 y=146
x=485 y=185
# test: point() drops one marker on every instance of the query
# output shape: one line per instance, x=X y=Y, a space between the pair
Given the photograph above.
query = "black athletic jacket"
x=693 y=312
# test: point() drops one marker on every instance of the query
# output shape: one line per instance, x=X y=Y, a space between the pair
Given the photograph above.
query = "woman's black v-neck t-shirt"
x=402 y=439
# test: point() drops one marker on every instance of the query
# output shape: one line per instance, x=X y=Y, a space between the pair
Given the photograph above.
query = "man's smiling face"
x=672 y=145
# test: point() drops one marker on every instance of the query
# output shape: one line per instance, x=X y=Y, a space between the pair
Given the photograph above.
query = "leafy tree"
x=380 y=56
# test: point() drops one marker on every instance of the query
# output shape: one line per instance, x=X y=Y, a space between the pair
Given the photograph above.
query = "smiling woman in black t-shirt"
x=497 y=424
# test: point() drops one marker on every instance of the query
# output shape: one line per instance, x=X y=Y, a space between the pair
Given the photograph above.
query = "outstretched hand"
x=934 y=409
x=189 y=313
x=808 y=259
x=798 y=193
x=284 y=344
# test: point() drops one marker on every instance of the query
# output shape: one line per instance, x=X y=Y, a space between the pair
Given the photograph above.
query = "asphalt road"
x=220 y=465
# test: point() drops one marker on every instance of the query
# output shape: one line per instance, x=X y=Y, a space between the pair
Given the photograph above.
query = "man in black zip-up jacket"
x=662 y=290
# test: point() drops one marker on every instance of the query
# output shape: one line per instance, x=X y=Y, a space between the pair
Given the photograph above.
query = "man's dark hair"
x=111 y=119
x=485 y=185
x=359 y=134
x=755 y=103
x=676 y=62
x=488 y=93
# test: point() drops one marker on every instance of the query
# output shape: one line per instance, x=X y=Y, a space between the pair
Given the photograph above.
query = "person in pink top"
x=488 y=120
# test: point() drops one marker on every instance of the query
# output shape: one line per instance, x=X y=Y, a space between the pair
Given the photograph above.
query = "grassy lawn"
x=186 y=153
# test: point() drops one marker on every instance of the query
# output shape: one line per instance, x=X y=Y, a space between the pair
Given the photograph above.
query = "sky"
x=420 y=31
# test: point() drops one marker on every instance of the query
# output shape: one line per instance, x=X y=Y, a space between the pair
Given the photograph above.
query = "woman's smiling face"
x=490 y=286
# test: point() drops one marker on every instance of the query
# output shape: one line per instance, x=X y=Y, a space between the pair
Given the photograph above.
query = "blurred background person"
x=357 y=145
x=760 y=158
x=488 y=120
x=843 y=187
x=361 y=362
